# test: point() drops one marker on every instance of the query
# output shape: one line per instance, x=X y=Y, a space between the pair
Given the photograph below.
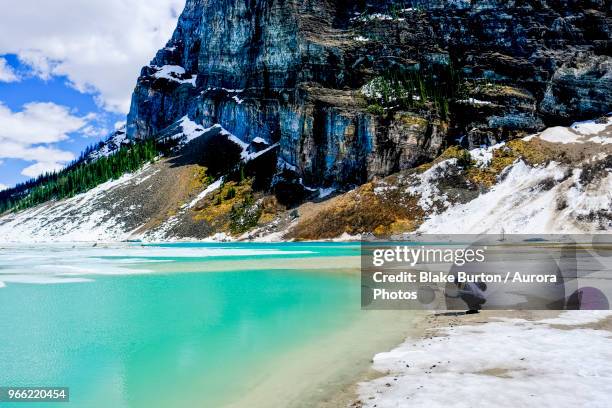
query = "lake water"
x=188 y=325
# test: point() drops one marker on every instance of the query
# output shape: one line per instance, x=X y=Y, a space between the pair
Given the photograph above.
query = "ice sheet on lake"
x=62 y=263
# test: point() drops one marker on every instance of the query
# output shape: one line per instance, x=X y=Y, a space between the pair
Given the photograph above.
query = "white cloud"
x=3 y=187
x=120 y=124
x=38 y=122
x=13 y=150
x=7 y=73
x=30 y=135
x=39 y=168
x=96 y=132
x=100 y=45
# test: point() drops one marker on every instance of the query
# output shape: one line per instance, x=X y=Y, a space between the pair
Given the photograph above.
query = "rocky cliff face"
x=351 y=90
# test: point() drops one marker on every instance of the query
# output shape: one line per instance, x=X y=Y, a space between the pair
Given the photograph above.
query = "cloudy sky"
x=67 y=70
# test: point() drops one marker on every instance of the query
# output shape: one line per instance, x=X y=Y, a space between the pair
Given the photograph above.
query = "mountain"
x=559 y=180
x=354 y=90
x=312 y=119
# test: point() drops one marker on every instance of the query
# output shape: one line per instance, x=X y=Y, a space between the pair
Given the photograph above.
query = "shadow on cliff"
x=222 y=158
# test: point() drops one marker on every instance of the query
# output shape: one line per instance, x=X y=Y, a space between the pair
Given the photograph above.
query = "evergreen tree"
x=79 y=176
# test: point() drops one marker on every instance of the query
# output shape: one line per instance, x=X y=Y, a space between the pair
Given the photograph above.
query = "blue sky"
x=57 y=90
x=67 y=70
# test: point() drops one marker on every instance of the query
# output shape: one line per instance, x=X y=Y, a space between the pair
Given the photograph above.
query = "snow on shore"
x=503 y=363
x=76 y=219
x=515 y=362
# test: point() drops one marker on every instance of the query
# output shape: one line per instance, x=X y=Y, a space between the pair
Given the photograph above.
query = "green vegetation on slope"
x=413 y=89
x=79 y=177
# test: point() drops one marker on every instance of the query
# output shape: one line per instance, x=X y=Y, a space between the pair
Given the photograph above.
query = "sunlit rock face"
x=300 y=73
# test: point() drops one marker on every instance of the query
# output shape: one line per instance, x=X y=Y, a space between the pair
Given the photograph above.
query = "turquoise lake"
x=184 y=325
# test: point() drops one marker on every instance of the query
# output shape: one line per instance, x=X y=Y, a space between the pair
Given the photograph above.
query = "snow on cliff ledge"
x=174 y=73
x=522 y=204
x=550 y=198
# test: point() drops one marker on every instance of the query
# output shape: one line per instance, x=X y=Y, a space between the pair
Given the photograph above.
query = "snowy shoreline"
x=501 y=359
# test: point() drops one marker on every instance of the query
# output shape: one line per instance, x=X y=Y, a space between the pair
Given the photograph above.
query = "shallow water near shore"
x=189 y=324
